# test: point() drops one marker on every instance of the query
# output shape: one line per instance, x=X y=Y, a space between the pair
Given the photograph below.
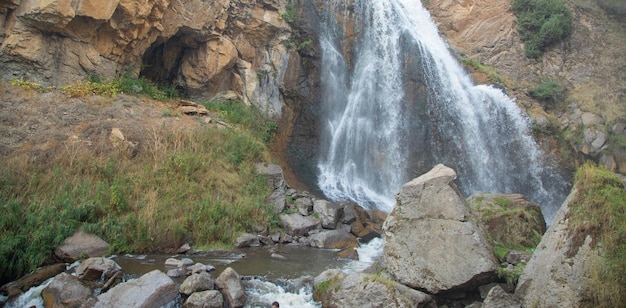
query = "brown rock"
x=65 y=290
x=97 y=268
x=81 y=244
x=97 y=9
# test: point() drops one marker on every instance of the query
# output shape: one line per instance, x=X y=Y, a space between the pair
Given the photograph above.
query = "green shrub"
x=291 y=13
x=542 y=23
x=549 y=91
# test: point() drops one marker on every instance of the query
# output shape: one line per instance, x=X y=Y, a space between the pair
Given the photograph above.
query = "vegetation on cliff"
x=599 y=210
x=542 y=23
x=195 y=184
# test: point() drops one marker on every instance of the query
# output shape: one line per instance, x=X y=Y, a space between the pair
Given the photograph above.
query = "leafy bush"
x=542 y=23
x=549 y=90
x=291 y=13
x=29 y=85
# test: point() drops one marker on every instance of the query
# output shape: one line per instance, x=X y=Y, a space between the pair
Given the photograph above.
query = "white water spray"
x=398 y=103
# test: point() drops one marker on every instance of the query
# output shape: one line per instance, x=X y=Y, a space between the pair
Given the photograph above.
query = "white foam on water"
x=262 y=294
x=30 y=298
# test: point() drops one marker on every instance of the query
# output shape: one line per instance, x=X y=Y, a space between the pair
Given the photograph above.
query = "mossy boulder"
x=510 y=220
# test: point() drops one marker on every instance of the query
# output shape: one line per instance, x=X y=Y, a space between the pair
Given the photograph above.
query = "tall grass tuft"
x=600 y=205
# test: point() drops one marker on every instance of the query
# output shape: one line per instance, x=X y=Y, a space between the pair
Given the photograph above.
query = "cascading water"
x=396 y=102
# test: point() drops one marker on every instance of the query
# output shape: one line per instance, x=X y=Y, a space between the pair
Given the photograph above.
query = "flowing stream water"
x=396 y=102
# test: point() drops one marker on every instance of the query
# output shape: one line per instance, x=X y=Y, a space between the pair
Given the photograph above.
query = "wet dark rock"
x=65 y=290
x=36 y=278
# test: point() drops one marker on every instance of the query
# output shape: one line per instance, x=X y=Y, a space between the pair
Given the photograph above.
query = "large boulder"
x=298 y=225
x=337 y=289
x=81 y=244
x=247 y=240
x=154 y=289
x=97 y=268
x=205 y=299
x=230 y=285
x=333 y=239
x=509 y=219
x=329 y=213
x=431 y=242
x=557 y=273
x=65 y=290
x=197 y=282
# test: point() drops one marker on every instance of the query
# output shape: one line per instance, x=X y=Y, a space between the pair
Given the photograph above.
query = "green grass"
x=126 y=84
x=248 y=117
x=491 y=73
x=511 y=276
x=600 y=204
x=184 y=185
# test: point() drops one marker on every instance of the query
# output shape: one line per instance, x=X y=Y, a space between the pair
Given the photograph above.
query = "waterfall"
x=396 y=102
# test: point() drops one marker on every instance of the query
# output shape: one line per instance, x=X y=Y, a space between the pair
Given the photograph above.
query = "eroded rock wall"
x=233 y=48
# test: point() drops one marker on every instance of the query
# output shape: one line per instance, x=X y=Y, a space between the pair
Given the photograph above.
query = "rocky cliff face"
x=232 y=48
x=589 y=65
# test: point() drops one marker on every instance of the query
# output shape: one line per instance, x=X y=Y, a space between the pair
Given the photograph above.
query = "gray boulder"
x=97 y=268
x=199 y=267
x=349 y=213
x=81 y=244
x=247 y=240
x=329 y=213
x=65 y=290
x=230 y=285
x=197 y=282
x=154 y=289
x=431 y=242
x=304 y=206
x=333 y=239
x=176 y=272
x=298 y=225
x=556 y=274
x=205 y=299
x=337 y=289
x=498 y=298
